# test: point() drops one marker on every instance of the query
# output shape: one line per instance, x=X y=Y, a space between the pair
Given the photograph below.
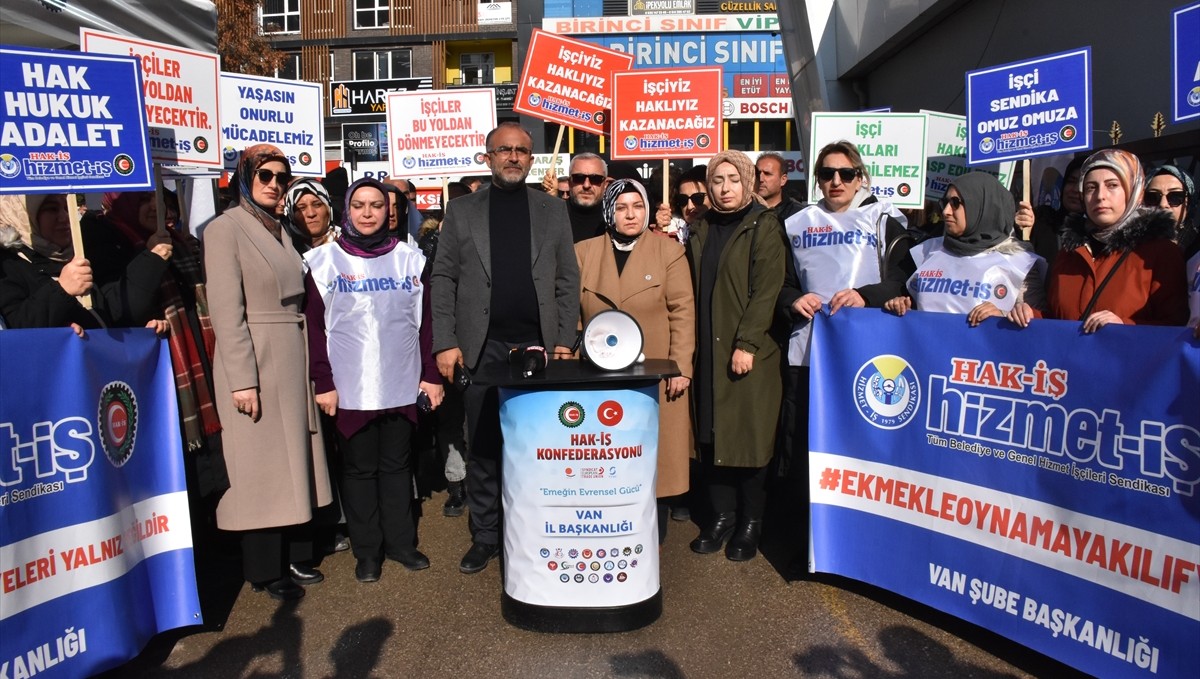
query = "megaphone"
x=612 y=340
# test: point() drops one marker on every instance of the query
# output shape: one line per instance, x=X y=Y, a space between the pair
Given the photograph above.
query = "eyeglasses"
x=1153 y=198
x=697 y=200
x=579 y=178
x=265 y=176
x=953 y=201
x=848 y=174
x=519 y=151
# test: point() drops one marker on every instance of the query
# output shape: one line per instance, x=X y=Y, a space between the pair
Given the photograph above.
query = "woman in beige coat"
x=271 y=438
x=648 y=278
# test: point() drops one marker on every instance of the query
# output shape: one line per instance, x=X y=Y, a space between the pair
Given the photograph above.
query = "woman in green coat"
x=738 y=252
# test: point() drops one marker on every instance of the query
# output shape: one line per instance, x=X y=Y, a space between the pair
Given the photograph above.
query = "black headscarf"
x=990 y=211
x=351 y=235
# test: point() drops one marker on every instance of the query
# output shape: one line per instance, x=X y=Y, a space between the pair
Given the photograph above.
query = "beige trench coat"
x=656 y=289
x=277 y=467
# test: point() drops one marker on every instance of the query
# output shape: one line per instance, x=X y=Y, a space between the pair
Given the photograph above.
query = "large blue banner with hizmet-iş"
x=1185 y=62
x=72 y=123
x=95 y=534
x=1030 y=108
x=1041 y=483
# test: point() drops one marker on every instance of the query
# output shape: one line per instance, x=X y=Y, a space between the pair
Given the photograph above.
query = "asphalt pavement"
x=720 y=619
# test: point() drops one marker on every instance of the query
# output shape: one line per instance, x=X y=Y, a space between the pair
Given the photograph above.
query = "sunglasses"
x=1154 y=198
x=579 y=178
x=265 y=176
x=697 y=200
x=953 y=201
x=848 y=174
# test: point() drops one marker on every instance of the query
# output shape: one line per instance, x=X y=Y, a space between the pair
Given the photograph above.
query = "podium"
x=578 y=476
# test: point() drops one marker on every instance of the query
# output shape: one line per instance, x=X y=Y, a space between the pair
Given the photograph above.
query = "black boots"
x=711 y=539
x=743 y=546
x=456 y=499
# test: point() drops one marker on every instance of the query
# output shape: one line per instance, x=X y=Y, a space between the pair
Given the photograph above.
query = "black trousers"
x=377 y=487
x=484 y=445
x=734 y=490
x=792 y=450
x=266 y=553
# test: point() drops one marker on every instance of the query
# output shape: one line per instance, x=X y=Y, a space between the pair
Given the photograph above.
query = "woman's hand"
x=898 y=305
x=159 y=326
x=76 y=277
x=807 y=305
x=328 y=402
x=562 y=353
x=742 y=362
x=848 y=297
x=78 y=330
x=1100 y=319
x=1021 y=315
x=1024 y=217
x=246 y=401
x=677 y=386
x=163 y=250
x=662 y=218
x=982 y=311
x=435 y=392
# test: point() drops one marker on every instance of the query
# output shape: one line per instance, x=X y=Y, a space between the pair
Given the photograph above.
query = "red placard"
x=568 y=81
x=750 y=85
x=780 y=85
x=666 y=113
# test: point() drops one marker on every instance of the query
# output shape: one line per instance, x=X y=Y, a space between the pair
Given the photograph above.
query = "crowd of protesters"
x=308 y=410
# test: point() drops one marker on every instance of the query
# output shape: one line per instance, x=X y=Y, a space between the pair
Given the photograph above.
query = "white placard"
x=892 y=147
x=439 y=132
x=946 y=150
x=286 y=113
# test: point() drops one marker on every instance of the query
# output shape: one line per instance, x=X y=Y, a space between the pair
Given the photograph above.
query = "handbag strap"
x=1096 y=295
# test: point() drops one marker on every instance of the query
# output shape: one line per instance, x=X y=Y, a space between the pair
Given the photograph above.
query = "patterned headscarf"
x=745 y=170
x=252 y=159
x=1189 y=186
x=1127 y=168
x=374 y=242
x=300 y=187
x=989 y=210
x=608 y=208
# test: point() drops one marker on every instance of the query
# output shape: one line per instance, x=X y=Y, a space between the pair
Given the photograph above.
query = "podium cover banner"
x=580 y=520
x=1040 y=483
x=95 y=536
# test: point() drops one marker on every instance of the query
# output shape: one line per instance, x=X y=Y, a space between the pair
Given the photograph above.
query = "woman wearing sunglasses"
x=1171 y=189
x=270 y=431
x=371 y=359
x=1118 y=263
x=978 y=267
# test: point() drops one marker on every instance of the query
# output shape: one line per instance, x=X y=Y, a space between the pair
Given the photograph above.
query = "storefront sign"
x=1030 y=108
x=649 y=7
x=440 y=132
x=181 y=96
x=72 y=122
x=286 y=113
x=358 y=97
x=892 y=147
x=659 y=25
x=946 y=155
x=492 y=13
x=364 y=142
x=568 y=81
x=666 y=113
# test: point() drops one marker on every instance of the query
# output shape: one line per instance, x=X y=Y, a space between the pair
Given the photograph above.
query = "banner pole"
x=552 y=171
x=666 y=182
x=76 y=243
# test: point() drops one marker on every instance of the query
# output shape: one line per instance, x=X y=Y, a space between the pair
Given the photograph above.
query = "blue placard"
x=1041 y=483
x=72 y=122
x=1030 y=108
x=1186 y=62
x=95 y=532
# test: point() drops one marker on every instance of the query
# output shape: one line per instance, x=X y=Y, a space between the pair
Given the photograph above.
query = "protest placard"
x=181 y=94
x=666 y=113
x=568 y=81
x=946 y=154
x=1185 y=62
x=892 y=146
x=1030 y=108
x=286 y=113
x=72 y=122
x=439 y=133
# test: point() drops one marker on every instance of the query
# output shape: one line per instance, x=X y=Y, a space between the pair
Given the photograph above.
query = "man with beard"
x=505 y=277
x=589 y=177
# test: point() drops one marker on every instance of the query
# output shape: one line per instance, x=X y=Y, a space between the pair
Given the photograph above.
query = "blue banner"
x=1040 y=483
x=1185 y=62
x=95 y=536
x=1030 y=108
x=72 y=122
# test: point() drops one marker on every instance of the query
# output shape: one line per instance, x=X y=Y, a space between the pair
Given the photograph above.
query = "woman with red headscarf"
x=271 y=433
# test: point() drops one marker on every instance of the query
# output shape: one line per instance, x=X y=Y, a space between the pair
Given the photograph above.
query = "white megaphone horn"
x=612 y=340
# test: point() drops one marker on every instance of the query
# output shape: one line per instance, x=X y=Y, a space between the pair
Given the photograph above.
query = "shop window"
x=382 y=65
